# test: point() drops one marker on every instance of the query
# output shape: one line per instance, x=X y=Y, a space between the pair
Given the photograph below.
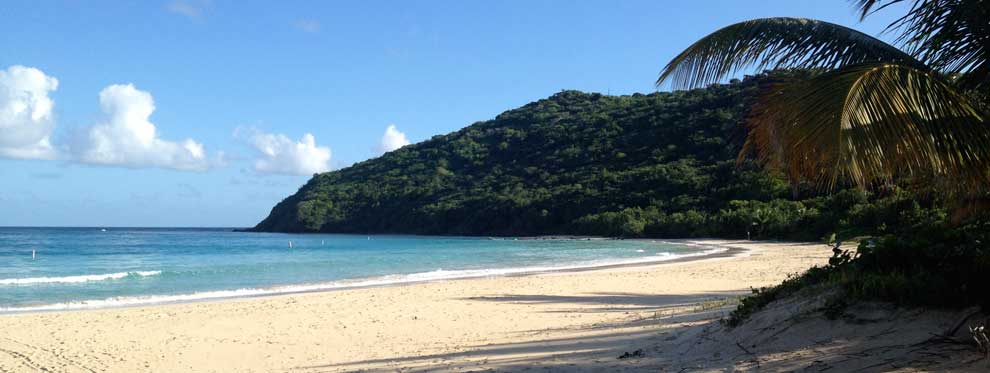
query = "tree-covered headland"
x=656 y=165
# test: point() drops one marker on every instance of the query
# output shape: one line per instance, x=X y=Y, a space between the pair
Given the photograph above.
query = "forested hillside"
x=658 y=165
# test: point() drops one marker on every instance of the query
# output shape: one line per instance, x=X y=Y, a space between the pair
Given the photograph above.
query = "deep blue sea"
x=79 y=268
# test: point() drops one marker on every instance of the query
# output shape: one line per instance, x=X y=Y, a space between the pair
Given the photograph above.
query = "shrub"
x=930 y=265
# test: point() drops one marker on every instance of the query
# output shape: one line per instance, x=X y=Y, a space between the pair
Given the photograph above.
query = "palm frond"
x=868 y=7
x=951 y=36
x=772 y=43
x=871 y=123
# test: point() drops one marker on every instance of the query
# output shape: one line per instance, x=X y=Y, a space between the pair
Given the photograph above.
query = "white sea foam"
x=437 y=275
x=76 y=279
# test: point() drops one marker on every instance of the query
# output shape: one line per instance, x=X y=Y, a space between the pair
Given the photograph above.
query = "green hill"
x=656 y=165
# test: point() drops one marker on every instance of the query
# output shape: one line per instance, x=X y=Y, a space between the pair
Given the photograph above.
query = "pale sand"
x=556 y=320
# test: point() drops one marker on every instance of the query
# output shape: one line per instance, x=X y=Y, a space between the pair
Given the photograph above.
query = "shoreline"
x=370 y=282
x=558 y=320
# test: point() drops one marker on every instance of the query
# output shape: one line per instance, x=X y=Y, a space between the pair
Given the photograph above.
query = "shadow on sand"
x=594 y=347
x=682 y=333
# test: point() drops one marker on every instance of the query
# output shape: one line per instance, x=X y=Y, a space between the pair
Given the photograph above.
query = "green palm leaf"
x=777 y=43
x=872 y=122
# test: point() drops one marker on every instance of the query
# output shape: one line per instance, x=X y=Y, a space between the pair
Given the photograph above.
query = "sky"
x=205 y=113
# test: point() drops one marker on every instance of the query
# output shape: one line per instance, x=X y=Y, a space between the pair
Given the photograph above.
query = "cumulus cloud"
x=281 y=155
x=127 y=138
x=26 y=121
x=392 y=139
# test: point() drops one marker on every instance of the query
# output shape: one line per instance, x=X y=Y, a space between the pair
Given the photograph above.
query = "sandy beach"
x=566 y=320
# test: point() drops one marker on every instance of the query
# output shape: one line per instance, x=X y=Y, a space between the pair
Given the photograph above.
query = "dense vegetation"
x=658 y=165
x=930 y=263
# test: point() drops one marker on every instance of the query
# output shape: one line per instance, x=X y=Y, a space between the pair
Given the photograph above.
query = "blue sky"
x=242 y=78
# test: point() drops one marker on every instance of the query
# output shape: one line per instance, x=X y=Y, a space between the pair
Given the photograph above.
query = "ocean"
x=48 y=269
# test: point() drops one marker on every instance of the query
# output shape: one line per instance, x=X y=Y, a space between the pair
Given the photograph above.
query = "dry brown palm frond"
x=869 y=123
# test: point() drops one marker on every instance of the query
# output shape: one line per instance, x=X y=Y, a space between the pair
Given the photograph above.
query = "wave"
x=437 y=275
x=76 y=279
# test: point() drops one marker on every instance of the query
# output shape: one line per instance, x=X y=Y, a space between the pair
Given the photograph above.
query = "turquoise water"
x=77 y=268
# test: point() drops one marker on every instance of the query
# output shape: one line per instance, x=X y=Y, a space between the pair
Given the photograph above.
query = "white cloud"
x=26 y=121
x=308 y=25
x=281 y=155
x=127 y=138
x=392 y=139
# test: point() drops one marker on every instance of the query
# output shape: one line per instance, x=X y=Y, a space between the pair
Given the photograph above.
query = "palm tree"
x=870 y=112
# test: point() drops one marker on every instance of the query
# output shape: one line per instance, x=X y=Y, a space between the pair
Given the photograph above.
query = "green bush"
x=937 y=266
x=929 y=263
